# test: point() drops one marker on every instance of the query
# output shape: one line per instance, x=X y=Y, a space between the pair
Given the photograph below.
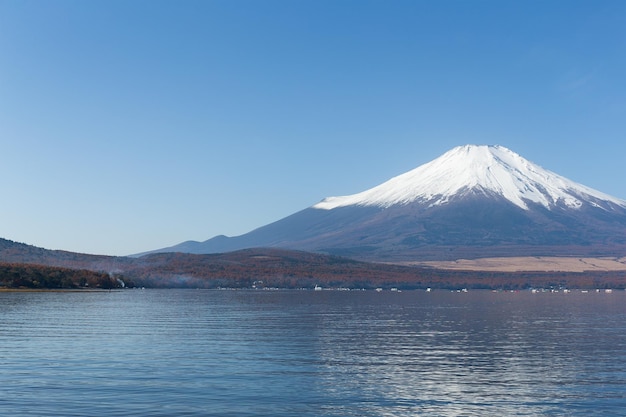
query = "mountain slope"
x=473 y=201
x=21 y=253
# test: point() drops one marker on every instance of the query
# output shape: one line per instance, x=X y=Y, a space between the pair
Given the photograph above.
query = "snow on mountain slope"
x=482 y=169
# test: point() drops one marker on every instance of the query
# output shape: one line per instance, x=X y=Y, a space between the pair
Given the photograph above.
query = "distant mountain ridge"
x=473 y=201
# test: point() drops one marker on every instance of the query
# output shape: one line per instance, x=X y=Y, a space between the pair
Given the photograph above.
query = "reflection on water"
x=322 y=353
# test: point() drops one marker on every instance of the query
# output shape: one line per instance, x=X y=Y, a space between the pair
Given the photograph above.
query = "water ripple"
x=286 y=353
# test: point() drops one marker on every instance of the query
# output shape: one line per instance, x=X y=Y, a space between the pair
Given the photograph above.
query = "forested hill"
x=15 y=252
x=262 y=267
x=47 y=277
x=31 y=267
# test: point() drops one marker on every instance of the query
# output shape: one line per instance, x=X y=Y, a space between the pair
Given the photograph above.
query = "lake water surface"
x=312 y=353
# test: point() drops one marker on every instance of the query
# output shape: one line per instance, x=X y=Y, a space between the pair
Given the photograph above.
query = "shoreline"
x=7 y=289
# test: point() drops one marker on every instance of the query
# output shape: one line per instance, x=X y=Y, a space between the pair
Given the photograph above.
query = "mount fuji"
x=471 y=202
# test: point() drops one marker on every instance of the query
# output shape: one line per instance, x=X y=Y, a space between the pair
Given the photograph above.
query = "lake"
x=312 y=353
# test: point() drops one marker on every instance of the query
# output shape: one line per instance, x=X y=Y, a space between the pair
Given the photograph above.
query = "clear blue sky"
x=132 y=125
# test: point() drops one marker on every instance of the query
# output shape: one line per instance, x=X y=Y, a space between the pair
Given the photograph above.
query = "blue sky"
x=132 y=125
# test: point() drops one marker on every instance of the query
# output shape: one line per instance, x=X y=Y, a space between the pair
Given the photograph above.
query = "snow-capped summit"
x=475 y=169
x=473 y=201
